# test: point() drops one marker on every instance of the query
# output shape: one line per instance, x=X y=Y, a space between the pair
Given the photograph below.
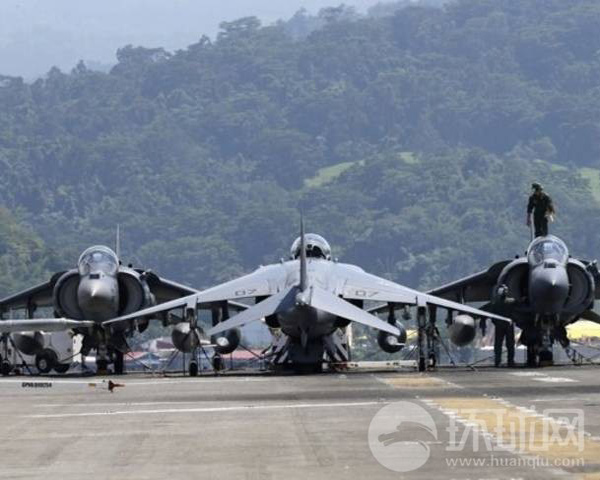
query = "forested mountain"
x=409 y=139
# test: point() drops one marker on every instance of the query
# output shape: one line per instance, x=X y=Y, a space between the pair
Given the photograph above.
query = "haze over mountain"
x=38 y=34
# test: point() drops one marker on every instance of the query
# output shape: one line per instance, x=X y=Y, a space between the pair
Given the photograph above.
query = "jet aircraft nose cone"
x=549 y=289
x=97 y=298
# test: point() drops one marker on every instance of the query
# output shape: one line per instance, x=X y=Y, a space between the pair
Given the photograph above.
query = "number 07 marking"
x=365 y=293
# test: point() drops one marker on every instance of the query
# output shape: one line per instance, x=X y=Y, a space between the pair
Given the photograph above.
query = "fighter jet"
x=100 y=288
x=542 y=292
x=309 y=298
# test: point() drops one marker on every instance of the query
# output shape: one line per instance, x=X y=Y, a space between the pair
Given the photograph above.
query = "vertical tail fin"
x=303 y=280
x=118 y=242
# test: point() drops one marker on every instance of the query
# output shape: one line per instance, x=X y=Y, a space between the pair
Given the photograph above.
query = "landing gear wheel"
x=308 y=368
x=5 y=368
x=432 y=361
x=62 y=367
x=531 y=356
x=101 y=367
x=217 y=363
x=546 y=358
x=193 y=369
x=45 y=360
x=421 y=364
x=119 y=364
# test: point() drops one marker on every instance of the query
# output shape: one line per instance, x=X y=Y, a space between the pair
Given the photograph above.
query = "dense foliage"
x=408 y=138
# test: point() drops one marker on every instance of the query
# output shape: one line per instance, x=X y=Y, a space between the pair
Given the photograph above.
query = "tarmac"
x=488 y=424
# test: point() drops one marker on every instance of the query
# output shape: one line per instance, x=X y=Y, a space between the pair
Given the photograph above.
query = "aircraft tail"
x=118 y=242
x=303 y=269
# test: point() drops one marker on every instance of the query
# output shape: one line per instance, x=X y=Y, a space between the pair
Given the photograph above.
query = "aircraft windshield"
x=547 y=248
x=316 y=247
x=98 y=259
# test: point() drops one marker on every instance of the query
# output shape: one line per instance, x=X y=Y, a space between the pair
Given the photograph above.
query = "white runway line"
x=112 y=404
x=543 y=377
x=555 y=379
x=528 y=374
x=208 y=409
x=129 y=382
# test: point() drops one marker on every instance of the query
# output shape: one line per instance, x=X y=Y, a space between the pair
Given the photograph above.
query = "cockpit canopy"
x=98 y=259
x=316 y=247
x=547 y=248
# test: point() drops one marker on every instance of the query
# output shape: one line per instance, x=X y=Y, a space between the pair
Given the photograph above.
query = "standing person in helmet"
x=540 y=204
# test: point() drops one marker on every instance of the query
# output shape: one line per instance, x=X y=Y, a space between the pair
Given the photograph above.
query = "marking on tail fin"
x=303 y=272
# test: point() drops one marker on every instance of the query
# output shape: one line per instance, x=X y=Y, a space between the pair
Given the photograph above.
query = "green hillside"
x=205 y=156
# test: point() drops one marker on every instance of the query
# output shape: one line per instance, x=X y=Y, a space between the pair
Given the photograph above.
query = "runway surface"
x=491 y=423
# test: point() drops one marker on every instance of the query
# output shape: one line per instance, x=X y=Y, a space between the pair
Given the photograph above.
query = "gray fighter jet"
x=309 y=298
x=100 y=288
x=541 y=292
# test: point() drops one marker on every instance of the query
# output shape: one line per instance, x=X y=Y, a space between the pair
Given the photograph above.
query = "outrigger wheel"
x=5 y=367
x=45 y=360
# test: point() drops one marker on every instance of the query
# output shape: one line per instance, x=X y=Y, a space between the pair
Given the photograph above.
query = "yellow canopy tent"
x=583 y=329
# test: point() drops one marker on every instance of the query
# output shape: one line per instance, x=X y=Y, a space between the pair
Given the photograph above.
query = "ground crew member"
x=503 y=330
x=540 y=204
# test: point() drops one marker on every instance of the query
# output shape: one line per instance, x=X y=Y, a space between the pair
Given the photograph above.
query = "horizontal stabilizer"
x=328 y=302
x=43 y=324
x=281 y=301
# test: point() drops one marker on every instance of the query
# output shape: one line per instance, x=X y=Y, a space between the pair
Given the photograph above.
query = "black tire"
x=546 y=358
x=119 y=363
x=193 y=369
x=531 y=356
x=62 y=367
x=45 y=360
x=308 y=368
x=101 y=367
x=217 y=363
x=5 y=368
x=422 y=366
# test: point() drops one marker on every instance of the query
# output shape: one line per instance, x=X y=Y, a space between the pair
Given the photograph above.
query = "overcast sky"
x=38 y=34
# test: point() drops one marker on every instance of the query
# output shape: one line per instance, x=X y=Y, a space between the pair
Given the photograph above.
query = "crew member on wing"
x=540 y=204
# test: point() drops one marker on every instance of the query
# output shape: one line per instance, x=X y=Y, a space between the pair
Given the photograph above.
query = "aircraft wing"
x=165 y=290
x=37 y=296
x=359 y=285
x=264 y=282
x=43 y=324
x=474 y=288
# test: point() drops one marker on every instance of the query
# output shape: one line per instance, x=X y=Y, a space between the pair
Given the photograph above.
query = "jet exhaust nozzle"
x=462 y=331
x=391 y=343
